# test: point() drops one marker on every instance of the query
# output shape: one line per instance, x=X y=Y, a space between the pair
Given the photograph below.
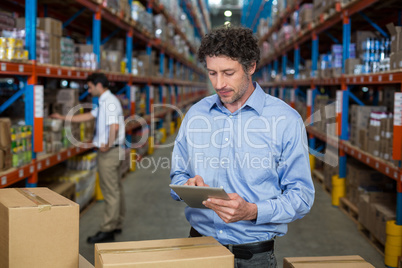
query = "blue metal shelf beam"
x=73 y=17
x=107 y=38
x=375 y=26
x=11 y=100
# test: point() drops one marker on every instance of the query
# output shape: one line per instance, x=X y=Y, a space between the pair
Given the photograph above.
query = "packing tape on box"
x=42 y=204
x=154 y=249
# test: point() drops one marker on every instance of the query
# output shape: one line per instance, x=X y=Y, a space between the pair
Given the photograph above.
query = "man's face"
x=229 y=80
x=94 y=90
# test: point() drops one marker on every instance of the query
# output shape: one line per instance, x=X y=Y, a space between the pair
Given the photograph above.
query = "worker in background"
x=247 y=142
x=109 y=137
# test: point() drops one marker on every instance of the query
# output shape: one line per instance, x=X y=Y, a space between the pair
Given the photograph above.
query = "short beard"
x=242 y=91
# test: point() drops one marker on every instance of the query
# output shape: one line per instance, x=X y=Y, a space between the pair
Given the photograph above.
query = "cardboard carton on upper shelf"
x=5 y=159
x=350 y=65
x=396 y=37
x=39 y=229
x=48 y=25
x=183 y=252
x=5 y=134
x=354 y=261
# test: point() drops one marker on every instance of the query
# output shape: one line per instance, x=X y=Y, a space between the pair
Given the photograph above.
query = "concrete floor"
x=153 y=214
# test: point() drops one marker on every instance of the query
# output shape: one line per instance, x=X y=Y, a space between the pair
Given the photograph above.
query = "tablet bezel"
x=195 y=195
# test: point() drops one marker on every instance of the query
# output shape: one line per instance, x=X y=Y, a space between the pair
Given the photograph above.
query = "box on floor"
x=353 y=261
x=197 y=252
x=39 y=229
x=83 y=263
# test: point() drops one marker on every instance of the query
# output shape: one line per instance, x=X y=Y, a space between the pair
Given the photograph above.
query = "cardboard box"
x=383 y=213
x=39 y=228
x=5 y=134
x=184 y=252
x=353 y=261
x=396 y=37
x=5 y=159
x=68 y=96
x=350 y=65
x=83 y=263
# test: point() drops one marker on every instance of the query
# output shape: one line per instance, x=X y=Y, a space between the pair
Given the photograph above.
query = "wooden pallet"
x=349 y=209
x=371 y=239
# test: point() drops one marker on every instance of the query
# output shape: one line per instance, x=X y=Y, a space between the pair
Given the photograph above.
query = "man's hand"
x=233 y=210
x=57 y=116
x=196 y=181
x=104 y=148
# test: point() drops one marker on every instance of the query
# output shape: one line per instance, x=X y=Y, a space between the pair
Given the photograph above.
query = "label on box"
x=4 y=180
x=339 y=101
x=38 y=101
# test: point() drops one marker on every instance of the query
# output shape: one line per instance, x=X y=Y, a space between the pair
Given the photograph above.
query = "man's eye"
x=229 y=74
x=211 y=73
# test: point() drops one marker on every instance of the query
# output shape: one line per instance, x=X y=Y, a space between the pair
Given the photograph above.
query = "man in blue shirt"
x=251 y=144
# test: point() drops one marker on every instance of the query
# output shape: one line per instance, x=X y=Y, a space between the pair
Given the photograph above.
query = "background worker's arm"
x=75 y=118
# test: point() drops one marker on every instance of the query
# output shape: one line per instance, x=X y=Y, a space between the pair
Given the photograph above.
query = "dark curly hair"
x=237 y=43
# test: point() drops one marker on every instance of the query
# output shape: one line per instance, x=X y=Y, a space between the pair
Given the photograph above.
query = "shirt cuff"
x=265 y=211
x=94 y=112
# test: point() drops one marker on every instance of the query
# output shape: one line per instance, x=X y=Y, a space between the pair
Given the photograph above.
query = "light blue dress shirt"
x=259 y=152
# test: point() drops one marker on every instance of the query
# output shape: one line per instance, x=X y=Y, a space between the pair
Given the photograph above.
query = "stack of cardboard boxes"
x=305 y=15
x=53 y=28
x=325 y=115
x=359 y=124
x=85 y=57
x=375 y=209
x=323 y=6
x=5 y=144
x=360 y=178
x=396 y=46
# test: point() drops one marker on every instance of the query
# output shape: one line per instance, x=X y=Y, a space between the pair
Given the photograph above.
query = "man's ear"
x=251 y=71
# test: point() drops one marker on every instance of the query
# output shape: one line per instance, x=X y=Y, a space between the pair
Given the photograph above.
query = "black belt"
x=246 y=251
x=243 y=251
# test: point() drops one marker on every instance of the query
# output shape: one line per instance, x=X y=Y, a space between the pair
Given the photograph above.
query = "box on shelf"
x=353 y=261
x=5 y=134
x=39 y=228
x=396 y=37
x=350 y=65
x=182 y=252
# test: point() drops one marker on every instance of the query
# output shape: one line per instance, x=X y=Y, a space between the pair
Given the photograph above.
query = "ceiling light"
x=228 y=13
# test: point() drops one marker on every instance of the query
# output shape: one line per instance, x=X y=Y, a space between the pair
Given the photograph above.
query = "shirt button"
x=221 y=186
x=221 y=232
x=226 y=139
x=230 y=116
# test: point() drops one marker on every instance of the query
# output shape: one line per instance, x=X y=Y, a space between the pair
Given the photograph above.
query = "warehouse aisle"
x=152 y=214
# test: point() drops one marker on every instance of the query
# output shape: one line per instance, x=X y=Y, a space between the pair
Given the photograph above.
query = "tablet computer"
x=195 y=195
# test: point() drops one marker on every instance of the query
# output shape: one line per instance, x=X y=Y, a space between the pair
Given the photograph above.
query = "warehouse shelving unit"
x=31 y=71
x=340 y=14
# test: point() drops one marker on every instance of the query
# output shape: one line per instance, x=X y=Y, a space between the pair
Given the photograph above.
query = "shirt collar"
x=104 y=96
x=256 y=101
